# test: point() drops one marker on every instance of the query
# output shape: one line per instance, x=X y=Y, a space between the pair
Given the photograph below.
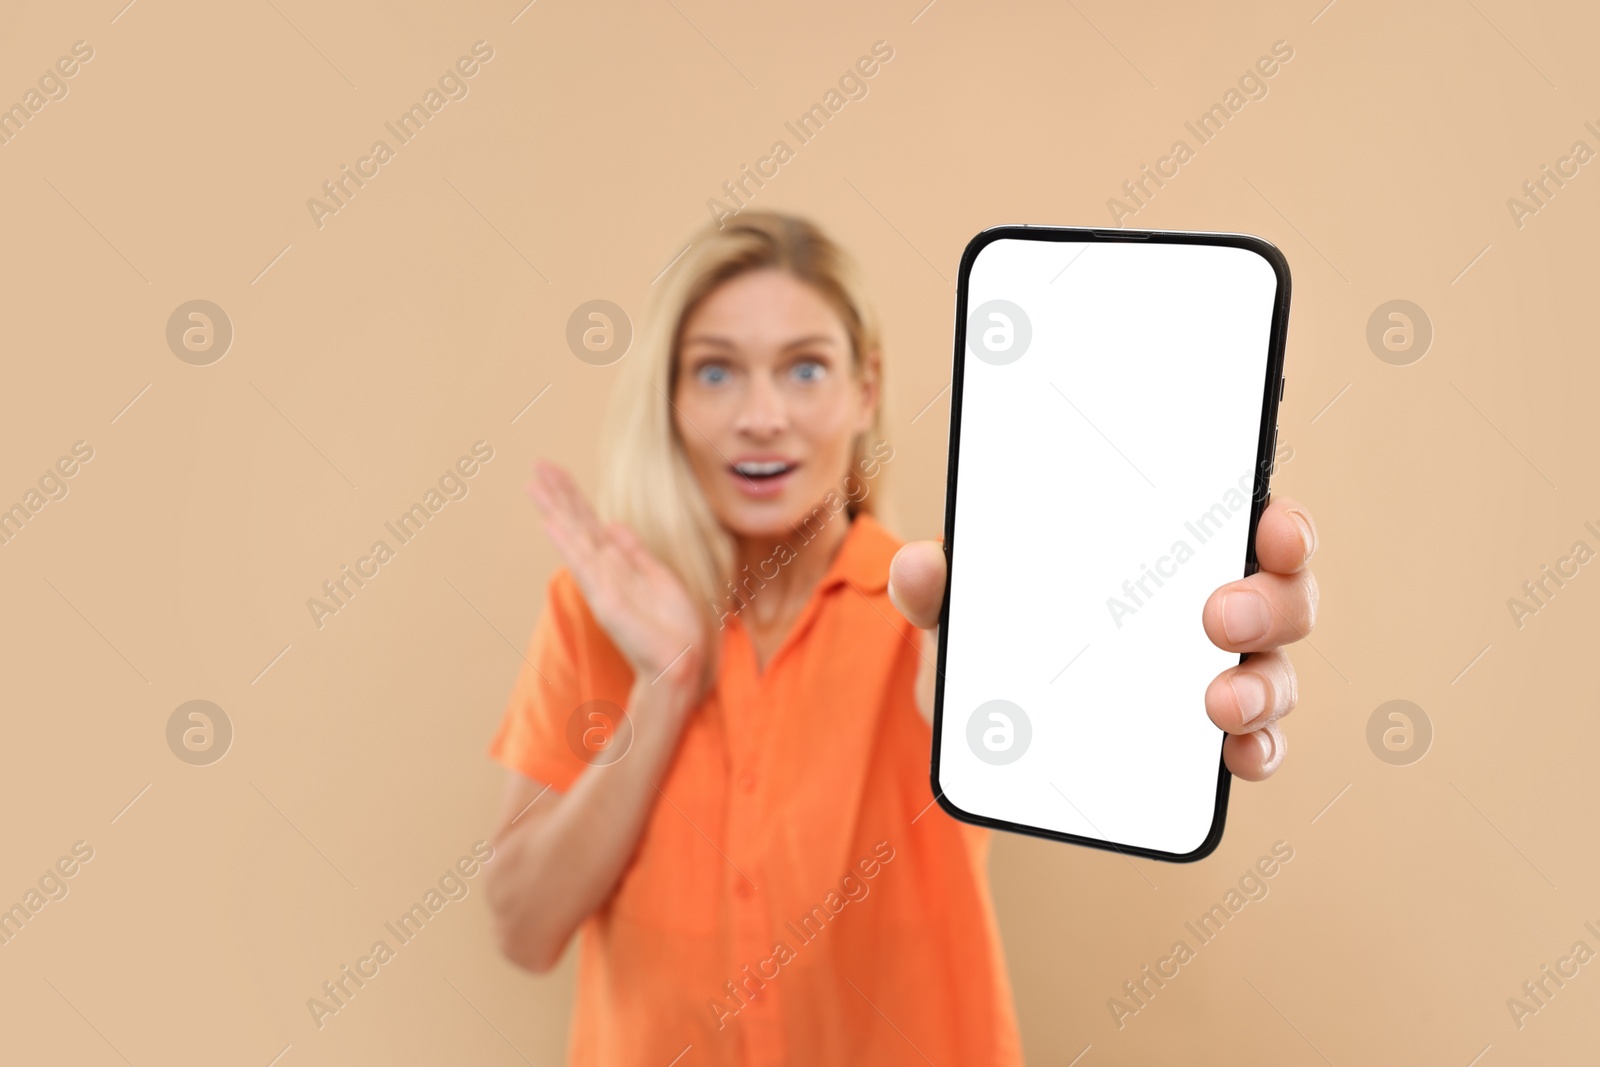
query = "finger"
x=559 y=526
x=633 y=551
x=1262 y=611
x=916 y=581
x=624 y=538
x=539 y=490
x=575 y=552
x=1261 y=690
x=577 y=547
x=1255 y=755
x=535 y=490
x=1286 y=538
x=575 y=498
x=542 y=489
x=569 y=508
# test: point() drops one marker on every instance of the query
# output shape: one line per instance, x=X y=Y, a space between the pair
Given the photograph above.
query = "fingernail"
x=1251 y=694
x=1244 y=617
x=1308 y=536
x=1268 y=746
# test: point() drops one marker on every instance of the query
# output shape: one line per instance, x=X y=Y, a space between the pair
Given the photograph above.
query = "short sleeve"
x=569 y=662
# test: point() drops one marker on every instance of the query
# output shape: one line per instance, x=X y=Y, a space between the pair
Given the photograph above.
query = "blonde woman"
x=718 y=748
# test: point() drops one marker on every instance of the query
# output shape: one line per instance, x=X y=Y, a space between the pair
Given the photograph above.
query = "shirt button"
x=742 y=890
x=747 y=782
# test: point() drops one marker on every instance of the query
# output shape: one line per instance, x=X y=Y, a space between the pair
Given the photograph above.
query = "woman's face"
x=767 y=401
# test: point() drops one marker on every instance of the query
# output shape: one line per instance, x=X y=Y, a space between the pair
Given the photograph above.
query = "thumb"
x=916 y=581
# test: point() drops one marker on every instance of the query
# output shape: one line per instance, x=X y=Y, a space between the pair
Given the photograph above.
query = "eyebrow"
x=723 y=342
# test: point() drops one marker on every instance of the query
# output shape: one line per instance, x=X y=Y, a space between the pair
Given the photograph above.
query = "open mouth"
x=765 y=469
x=761 y=477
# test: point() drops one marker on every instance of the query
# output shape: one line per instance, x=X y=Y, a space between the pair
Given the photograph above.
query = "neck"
x=789 y=568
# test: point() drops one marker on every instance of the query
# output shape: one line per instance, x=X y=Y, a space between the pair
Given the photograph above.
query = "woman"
x=751 y=854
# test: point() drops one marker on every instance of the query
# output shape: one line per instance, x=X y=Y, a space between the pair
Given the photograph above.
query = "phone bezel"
x=1266 y=445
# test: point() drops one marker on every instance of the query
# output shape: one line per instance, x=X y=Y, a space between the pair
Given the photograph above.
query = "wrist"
x=673 y=692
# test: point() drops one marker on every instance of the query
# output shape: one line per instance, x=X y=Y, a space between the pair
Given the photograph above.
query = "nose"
x=763 y=415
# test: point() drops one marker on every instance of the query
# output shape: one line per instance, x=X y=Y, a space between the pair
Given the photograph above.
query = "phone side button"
x=1281 y=383
x=1272 y=454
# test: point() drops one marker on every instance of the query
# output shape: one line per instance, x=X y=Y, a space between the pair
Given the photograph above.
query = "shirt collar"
x=863 y=558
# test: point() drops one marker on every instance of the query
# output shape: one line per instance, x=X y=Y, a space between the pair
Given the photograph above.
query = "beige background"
x=428 y=313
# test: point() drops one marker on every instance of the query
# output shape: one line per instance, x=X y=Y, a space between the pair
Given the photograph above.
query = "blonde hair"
x=646 y=480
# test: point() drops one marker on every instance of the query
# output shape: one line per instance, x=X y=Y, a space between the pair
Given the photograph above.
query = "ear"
x=869 y=378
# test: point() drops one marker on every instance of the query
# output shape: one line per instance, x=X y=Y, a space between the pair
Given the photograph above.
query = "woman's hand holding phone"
x=1276 y=606
x=641 y=604
x=1273 y=607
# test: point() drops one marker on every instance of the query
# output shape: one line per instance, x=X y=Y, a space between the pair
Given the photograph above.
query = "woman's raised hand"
x=640 y=602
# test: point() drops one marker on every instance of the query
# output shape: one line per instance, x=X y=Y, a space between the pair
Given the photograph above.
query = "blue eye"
x=810 y=370
x=712 y=374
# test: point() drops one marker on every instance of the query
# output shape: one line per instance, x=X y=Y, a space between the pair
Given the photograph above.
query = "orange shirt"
x=797 y=897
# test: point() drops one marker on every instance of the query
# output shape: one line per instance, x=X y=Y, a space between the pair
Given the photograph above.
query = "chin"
x=776 y=519
x=746 y=523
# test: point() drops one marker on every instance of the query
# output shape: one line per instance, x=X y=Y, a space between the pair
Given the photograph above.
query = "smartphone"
x=1112 y=435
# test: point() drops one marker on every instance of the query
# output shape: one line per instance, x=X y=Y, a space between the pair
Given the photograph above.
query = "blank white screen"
x=1128 y=428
